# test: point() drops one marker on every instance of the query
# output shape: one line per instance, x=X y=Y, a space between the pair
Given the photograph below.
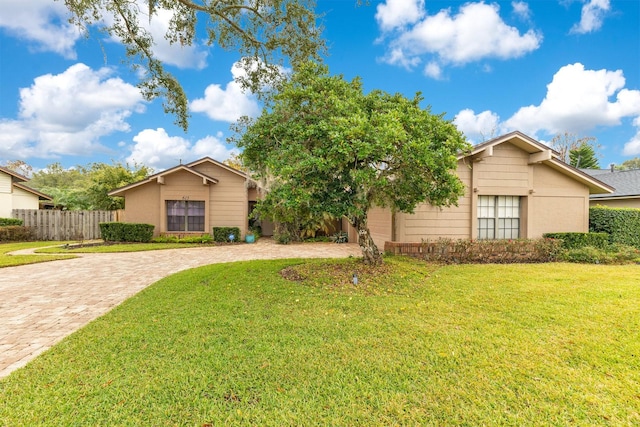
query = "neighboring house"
x=14 y=194
x=191 y=198
x=626 y=184
x=516 y=187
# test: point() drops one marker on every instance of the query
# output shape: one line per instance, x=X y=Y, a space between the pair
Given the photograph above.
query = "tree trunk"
x=370 y=253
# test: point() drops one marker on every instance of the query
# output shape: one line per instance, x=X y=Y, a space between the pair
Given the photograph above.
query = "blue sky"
x=542 y=67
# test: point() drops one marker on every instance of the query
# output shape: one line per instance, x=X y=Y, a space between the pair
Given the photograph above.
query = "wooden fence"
x=65 y=225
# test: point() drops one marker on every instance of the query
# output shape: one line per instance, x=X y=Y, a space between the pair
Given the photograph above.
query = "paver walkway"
x=42 y=303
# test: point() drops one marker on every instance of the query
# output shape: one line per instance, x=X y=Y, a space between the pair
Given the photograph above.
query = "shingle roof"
x=626 y=183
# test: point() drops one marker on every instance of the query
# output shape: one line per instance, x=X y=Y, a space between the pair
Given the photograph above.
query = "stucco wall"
x=429 y=222
x=6 y=203
x=617 y=203
x=557 y=204
x=549 y=200
x=142 y=205
x=380 y=223
x=25 y=200
x=229 y=200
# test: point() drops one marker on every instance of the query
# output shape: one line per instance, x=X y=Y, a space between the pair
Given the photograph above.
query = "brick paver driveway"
x=42 y=303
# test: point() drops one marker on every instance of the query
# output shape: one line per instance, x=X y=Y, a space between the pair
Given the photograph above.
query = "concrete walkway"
x=42 y=303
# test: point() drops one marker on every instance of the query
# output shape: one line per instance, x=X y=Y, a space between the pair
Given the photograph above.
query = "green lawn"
x=14 y=260
x=412 y=344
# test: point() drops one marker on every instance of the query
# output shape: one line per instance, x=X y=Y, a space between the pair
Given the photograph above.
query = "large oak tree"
x=266 y=33
x=326 y=147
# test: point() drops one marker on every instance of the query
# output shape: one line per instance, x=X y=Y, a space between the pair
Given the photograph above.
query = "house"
x=14 y=194
x=516 y=187
x=191 y=199
x=626 y=184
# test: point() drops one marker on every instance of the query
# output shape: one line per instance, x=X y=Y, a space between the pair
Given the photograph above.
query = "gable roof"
x=18 y=181
x=159 y=177
x=217 y=163
x=539 y=153
x=626 y=182
x=40 y=195
x=15 y=175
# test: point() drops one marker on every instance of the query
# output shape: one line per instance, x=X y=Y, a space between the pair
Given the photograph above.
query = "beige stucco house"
x=516 y=187
x=14 y=194
x=190 y=199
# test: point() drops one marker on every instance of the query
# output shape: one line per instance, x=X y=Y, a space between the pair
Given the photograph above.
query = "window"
x=498 y=217
x=183 y=215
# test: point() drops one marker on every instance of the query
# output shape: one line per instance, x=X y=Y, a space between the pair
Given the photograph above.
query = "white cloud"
x=155 y=148
x=476 y=32
x=593 y=13
x=41 y=22
x=67 y=113
x=578 y=100
x=45 y=23
x=521 y=9
x=227 y=104
x=477 y=127
x=632 y=147
x=398 y=13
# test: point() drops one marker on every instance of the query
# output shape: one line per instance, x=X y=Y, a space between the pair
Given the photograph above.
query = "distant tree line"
x=82 y=187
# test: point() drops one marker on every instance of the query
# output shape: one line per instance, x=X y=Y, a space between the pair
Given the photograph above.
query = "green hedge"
x=16 y=233
x=221 y=234
x=126 y=232
x=622 y=224
x=10 y=221
x=580 y=240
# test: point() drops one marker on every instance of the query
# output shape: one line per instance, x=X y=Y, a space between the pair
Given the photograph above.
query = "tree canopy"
x=264 y=32
x=584 y=156
x=565 y=143
x=629 y=164
x=325 y=147
x=86 y=187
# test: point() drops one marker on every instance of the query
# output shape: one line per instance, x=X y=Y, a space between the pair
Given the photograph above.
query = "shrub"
x=16 y=233
x=614 y=254
x=580 y=240
x=126 y=232
x=340 y=237
x=622 y=224
x=221 y=234
x=10 y=221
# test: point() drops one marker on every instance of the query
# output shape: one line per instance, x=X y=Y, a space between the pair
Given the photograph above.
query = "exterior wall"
x=617 y=203
x=25 y=200
x=380 y=221
x=228 y=200
x=183 y=185
x=557 y=204
x=549 y=200
x=142 y=205
x=430 y=223
x=6 y=197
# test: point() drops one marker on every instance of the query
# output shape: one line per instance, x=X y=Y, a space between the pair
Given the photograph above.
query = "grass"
x=412 y=344
x=15 y=260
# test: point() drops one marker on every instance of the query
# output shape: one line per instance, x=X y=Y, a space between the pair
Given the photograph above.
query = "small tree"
x=566 y=142
x=583 y=157
x=327 y=148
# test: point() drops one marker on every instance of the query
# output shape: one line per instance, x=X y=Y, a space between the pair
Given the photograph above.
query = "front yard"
x=411 y=344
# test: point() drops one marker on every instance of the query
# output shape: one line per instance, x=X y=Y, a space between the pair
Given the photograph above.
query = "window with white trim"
x=498 y=217
x=185 y=215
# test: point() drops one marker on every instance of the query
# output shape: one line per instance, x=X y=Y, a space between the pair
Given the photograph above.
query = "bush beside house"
x=621 y=224
x=126 y=232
